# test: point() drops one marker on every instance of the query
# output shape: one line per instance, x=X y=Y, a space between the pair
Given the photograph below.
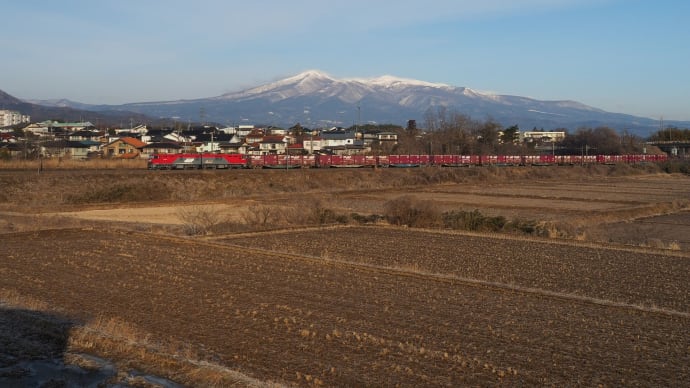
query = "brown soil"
x=355 y=306
x=285 y=317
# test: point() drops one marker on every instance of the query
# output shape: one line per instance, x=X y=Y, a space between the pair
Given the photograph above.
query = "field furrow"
x=618 y=275
x=306 y=321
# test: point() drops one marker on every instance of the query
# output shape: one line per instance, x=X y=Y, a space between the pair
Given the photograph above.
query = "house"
x=312 y=144
x=85 y=135
x=161 y=148
x=542 y=136
x=277 y=131
x=54 y=128
x=11 y=150
x=228 y=130
x=255 y=136
x=125 y=147
x=155 y=135
x=234 y=147
x=209 y=146
x=41 y=129
x=138 y=130
x=380 y=138
x=296 y=149
x=70 y=149
x=273 y=145
x=79 y=150
x=177 y=138
x=244 y=130
x=388 y=137
x=339 y=138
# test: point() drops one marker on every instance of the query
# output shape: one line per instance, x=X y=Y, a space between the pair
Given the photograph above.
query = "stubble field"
x=369 y=305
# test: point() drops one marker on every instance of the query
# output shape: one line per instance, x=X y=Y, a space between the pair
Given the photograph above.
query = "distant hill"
x=68 y=113
x=314 y=98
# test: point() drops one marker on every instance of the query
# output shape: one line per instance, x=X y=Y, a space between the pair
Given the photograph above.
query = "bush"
x=676 y=166
x=366 y=219
x=409 y=211
x=199 y=220
x=261 y=216
x=524 y=226
x=473 y=221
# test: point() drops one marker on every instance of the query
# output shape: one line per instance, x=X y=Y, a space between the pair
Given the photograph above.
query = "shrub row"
x=409 y=211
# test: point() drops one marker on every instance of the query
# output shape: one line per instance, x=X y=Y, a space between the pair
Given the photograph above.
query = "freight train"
x=229 y=161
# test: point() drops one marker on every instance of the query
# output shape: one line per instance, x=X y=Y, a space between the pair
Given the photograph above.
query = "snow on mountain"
x=316 y=97
x=389 y=82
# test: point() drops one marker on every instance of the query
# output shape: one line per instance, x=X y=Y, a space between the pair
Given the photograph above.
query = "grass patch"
x=118 y=192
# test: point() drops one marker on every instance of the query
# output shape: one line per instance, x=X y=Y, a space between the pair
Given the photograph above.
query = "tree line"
x=448 y=132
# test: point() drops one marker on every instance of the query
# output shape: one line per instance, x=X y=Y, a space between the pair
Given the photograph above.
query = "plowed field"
x=302 y=319
x=624 y=275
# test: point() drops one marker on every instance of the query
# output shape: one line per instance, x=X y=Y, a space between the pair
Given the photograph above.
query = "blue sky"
x=627 y=56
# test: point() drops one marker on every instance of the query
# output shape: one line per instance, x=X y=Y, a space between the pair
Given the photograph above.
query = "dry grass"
x=123 y=344
x=69 y=164
x=131 y=347
x=660 y=244
x=200 y=220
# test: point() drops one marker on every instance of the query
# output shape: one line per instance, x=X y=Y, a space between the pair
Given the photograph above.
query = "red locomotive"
x=196 y=161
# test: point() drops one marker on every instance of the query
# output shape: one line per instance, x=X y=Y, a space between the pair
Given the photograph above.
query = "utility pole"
x=359 y=117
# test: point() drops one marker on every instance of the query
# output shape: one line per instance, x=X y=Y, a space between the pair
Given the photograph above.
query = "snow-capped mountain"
x=314 y=98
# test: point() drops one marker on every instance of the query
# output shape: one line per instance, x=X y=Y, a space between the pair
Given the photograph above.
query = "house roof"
x=338 y=135
x=14 y=147
x=273 y=139
x=163 y=145
x=79 y=124
x=86 y=133
x=70 y=143
x=76 y=144
x=136 y=143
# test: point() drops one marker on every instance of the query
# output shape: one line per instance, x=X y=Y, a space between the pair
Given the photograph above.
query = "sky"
x=625 y=56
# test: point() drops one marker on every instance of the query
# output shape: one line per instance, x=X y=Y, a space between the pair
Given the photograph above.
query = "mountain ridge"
x=314 y=98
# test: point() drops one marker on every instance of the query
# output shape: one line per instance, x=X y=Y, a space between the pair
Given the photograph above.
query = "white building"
x=552 y=136
x=312 y=144
x=9 y=118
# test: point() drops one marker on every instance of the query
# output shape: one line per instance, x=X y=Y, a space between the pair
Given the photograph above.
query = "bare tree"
x=198 y=220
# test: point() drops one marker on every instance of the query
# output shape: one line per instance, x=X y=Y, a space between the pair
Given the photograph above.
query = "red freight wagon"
x=336 y=161
x=270 y=161
x=384 y=160
x=547 y=159
x=469 y=160
x=424 y=160
x=488 y=159
x=589 y=159
x=445 y=160
x=371 y=161
x=307 y=161
x=323 y=160
x=513 y=160
x=403 y=161
x=256 y=161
